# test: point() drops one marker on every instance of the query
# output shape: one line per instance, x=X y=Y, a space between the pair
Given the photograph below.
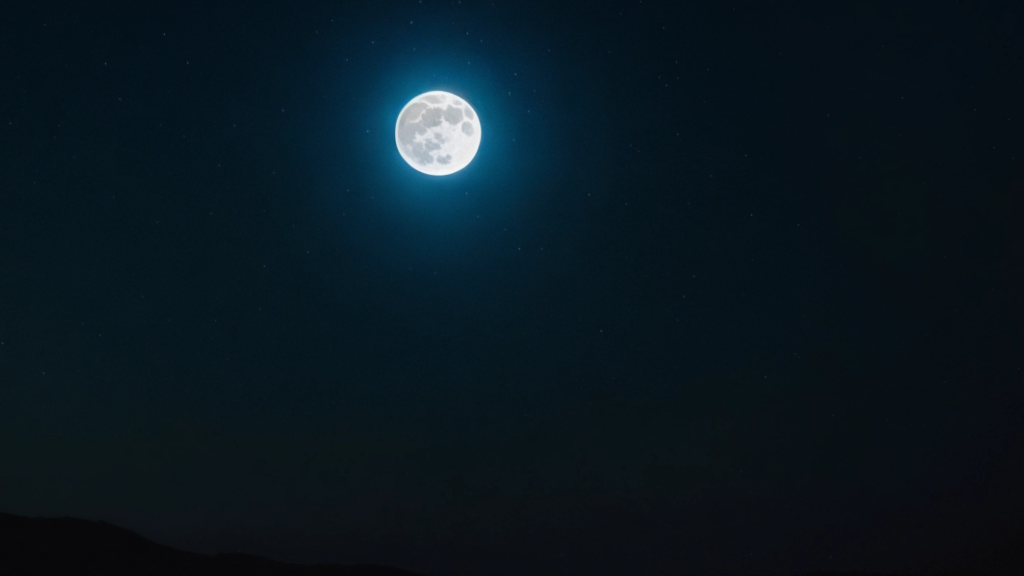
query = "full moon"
x=438 y=133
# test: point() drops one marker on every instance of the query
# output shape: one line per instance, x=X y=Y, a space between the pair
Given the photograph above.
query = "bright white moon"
x=438 y=133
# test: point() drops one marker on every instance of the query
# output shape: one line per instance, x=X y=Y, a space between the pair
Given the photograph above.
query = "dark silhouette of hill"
x=54 y=546
x=83 y=547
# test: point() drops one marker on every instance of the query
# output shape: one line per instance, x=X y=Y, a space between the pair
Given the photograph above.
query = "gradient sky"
x=729 y=287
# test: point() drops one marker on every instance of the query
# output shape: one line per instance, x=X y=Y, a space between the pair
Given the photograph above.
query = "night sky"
x=730 y=288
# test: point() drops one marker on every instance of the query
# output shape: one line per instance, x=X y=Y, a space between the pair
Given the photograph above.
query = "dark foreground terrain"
x=83 y=547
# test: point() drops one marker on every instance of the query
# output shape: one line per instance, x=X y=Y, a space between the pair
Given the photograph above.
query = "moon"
x=438 y=133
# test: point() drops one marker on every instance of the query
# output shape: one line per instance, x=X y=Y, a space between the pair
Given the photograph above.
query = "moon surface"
x=438 y=133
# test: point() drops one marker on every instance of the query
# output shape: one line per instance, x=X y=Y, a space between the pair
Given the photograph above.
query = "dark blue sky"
x=729 y=288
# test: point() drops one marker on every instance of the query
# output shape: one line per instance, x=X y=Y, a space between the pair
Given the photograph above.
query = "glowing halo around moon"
x=438 y=133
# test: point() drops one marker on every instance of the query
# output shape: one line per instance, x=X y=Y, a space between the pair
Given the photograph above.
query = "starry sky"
x=729 y=288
